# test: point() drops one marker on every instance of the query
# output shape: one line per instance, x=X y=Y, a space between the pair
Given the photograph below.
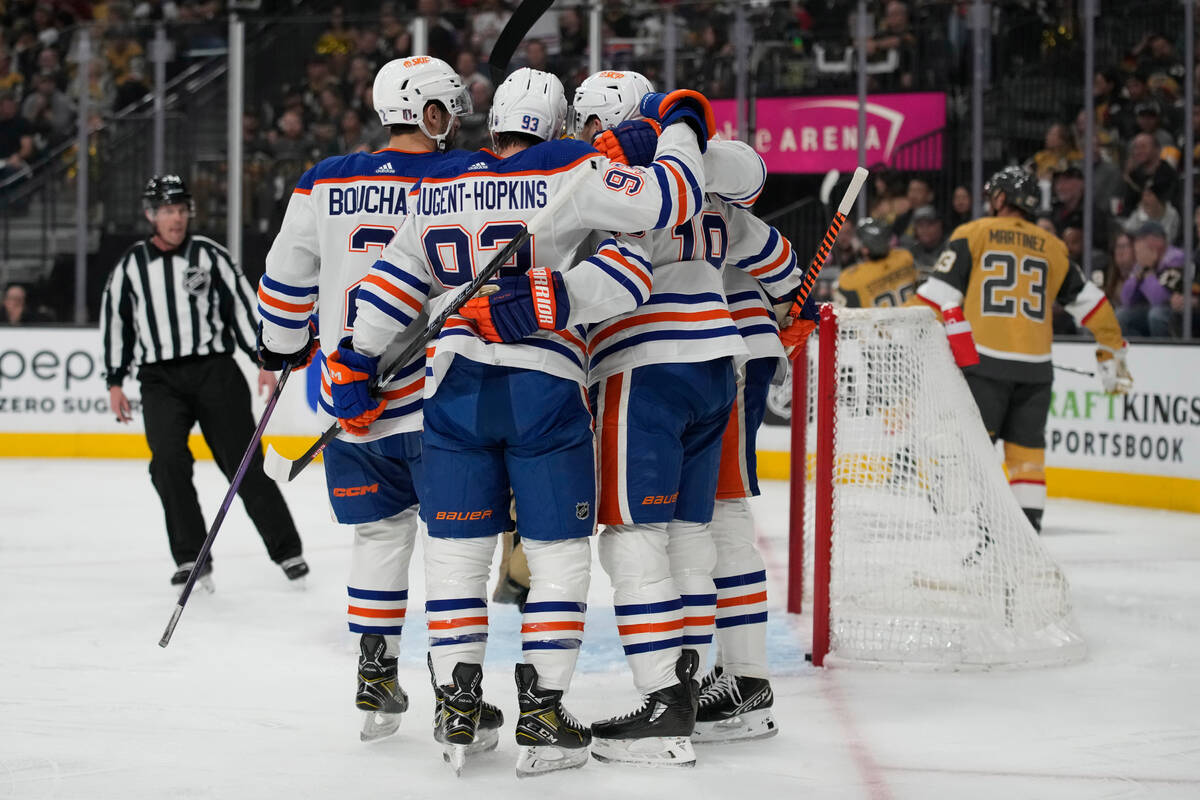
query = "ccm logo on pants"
x=356 y=491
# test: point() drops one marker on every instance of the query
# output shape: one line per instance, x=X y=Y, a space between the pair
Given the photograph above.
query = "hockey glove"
x=1114 y=372
x=803 y=321
x=958 y=335
x=273 y=362
x=682 y=105
x=350 y=374
x=524 y=304
x=633 y=142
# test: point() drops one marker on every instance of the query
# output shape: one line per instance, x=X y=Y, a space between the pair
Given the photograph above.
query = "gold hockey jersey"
x=1006 y=273
x=888 y=281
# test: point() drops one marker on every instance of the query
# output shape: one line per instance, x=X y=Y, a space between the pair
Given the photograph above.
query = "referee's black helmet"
x=1019 y=187
x=165 y=190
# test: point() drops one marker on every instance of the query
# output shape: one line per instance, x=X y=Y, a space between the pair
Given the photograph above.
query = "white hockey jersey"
x=464 y=213
x=341 y=215
x=687 y=318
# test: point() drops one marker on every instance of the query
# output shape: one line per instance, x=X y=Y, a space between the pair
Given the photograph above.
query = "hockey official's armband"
x=633 y=142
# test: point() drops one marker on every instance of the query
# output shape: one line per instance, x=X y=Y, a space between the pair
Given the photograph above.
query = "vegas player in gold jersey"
x=1006 y=272
x=886 y=277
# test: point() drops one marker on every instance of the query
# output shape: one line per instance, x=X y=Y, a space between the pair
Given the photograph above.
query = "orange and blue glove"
x=524 y=303
x=351 y=374
x=803 y=323
x=271 y=361
x=681 y=105
x=633 y=142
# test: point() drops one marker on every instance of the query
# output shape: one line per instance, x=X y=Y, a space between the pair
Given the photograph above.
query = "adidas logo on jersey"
x=385 y=169
x=477 y=165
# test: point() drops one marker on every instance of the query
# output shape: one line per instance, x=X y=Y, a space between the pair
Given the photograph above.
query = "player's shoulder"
x=456 y=163
x=201 y=240
x=900 y=258
x=975 y=226
x=382 y=164
x=553 y=156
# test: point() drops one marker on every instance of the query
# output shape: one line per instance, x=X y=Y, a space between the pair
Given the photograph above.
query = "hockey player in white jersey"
x=663 y=381
x=341 y=215
x=504 y=406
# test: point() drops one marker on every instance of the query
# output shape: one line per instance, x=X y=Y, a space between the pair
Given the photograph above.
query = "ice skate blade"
x=539 y=760
x=673 y=752
x=456 y=756
x=743 y=728
x=378 y=725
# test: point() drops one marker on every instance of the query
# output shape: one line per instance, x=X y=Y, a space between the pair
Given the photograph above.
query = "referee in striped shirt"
x=176 y=305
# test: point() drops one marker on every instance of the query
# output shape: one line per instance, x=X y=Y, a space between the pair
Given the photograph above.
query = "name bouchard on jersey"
x=482 y=195
x=368 y=199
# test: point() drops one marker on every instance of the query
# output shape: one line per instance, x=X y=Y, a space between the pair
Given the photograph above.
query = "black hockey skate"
x=735 y=708
x=295 y=568
x=658 y=733
x=379 y=694
x=549 y=738
x=204 y=581
x=485 y=730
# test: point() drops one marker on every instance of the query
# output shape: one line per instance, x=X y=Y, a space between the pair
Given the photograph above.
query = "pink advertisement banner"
x=817 y=134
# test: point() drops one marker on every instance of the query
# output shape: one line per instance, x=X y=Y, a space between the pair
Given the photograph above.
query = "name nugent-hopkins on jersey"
x=435 y=253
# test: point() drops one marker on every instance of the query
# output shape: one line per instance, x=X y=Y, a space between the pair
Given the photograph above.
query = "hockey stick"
x=216 y=526
x=284 y=470
x=506 y=44
x=1075 y=371
x=831 y=235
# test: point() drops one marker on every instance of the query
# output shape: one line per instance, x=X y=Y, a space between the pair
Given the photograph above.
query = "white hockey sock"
x=456 y=575
x=692 y=556
x=378 y=585
x=741 y=582
x=649 y=611
x=552 y=623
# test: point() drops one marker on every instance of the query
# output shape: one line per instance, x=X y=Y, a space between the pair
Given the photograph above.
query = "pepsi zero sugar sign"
x=817 y=134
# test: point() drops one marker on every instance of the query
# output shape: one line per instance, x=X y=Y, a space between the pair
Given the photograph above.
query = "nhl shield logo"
x=196 y=281
x=583 y=510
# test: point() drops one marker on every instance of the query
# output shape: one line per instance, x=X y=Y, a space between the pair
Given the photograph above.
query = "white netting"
x=933 y=563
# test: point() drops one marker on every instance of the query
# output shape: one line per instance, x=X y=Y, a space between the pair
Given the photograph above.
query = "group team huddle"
x=615 y=376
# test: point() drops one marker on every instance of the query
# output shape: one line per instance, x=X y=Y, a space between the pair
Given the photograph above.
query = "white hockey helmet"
x=611 y=96
x=530 y=101
x=404 y=85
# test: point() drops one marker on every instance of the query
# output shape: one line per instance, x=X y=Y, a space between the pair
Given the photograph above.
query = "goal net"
x=920 y=555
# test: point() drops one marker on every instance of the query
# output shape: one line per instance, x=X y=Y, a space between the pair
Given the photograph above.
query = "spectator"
x=1119 y=268
x=1067 y=207
x=371 y=47
x=48 y=110
x=17 y=310
x=895 y=35
x=317 y=78
x=573 y=35
x=1180 y=297
x=1149 y=120
x=338 y=37
x=120 y=50
x=1145 y=300
x=11 y=79
x=486 y=25
x=473 y=128
x=1045 y=221
x=536 y=56
x=332 y=105
x=927 y=241
x=352 y=134
x=1155 y=207
x=961 y=207
x=16 y=139
x=1137 y=91
x=891 y=196
x=468 y=69
x=1157 y=60
x=919 y=193
x=442 y=37
x=359 y=79
x=133 y=88
x=1108 y=143
x=1059 y=151
x=1145 y=167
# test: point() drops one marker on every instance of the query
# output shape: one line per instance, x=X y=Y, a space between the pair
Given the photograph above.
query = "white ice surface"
x=253 y=698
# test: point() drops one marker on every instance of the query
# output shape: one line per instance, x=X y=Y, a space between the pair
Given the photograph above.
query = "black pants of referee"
x=210 y=390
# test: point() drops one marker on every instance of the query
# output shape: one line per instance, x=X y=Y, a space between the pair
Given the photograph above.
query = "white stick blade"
x=856 y=184
x=276 y=466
